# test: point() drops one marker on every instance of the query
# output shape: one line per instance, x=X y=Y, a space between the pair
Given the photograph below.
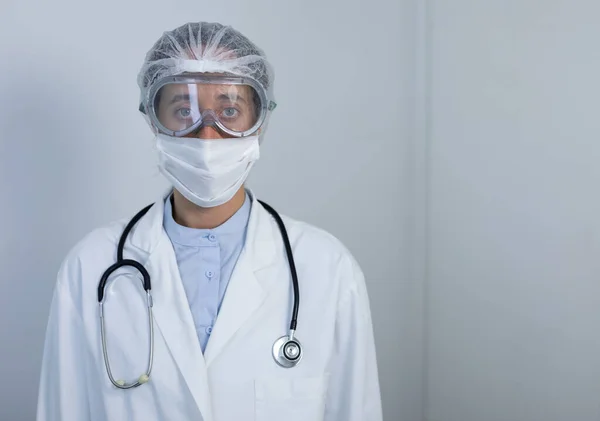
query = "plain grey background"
x=75 y=153
x=513 y=262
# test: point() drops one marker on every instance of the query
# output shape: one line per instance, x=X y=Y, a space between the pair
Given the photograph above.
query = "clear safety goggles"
x=180 y=105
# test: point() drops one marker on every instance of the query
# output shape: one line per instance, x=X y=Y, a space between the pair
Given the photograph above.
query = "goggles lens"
x=181 y=106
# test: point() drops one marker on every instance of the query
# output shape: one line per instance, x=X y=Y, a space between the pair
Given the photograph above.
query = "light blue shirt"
x=206 y=258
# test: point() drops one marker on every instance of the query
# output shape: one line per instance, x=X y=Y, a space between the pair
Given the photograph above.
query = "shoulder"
x=329 y=268
x=315 y=246
x=97 y=248
x=315 y=237
x=102 y=237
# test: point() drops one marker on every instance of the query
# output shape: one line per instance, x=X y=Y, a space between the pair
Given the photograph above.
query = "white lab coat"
x=236 y=379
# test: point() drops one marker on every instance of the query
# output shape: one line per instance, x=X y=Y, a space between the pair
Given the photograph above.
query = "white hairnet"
x=204 y=47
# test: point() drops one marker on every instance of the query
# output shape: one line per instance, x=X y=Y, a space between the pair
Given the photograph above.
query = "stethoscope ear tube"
x=145 y=377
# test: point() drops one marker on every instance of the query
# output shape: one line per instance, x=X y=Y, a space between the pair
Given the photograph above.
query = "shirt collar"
x=234 y=226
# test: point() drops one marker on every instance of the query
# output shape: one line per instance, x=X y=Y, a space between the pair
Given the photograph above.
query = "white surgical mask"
x=206 y=172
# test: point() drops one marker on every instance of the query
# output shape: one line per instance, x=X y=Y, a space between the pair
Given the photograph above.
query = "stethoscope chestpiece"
x=287 y=351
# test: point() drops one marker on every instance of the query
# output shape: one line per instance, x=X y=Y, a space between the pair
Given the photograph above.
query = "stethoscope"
x=287 y=351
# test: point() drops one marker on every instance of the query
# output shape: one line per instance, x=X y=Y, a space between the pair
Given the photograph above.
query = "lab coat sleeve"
x=62 y=394
x=354 y=391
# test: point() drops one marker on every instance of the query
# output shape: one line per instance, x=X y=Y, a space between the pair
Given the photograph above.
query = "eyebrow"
x=225 y=97
x=180 y=97
x=221 y=97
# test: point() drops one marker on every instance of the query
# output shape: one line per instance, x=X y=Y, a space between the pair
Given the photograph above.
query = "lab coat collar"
x=147 y=233
x=259 y=246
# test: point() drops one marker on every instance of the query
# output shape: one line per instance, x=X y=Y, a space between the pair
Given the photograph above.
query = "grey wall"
x=75 y=153
x=513 y=293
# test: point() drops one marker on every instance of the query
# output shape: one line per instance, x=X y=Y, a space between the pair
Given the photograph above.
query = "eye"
x=230 y=112
x=183 y=112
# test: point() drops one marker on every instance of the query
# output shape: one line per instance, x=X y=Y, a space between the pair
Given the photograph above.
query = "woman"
x=203 y=326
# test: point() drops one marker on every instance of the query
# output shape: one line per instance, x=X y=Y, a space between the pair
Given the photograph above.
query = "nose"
x=207 y=132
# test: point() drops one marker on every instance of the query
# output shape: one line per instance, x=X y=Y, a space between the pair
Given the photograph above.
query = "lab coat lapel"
x=249 y=286
x=174 y=321
x=243 y=297
x=171 y=310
